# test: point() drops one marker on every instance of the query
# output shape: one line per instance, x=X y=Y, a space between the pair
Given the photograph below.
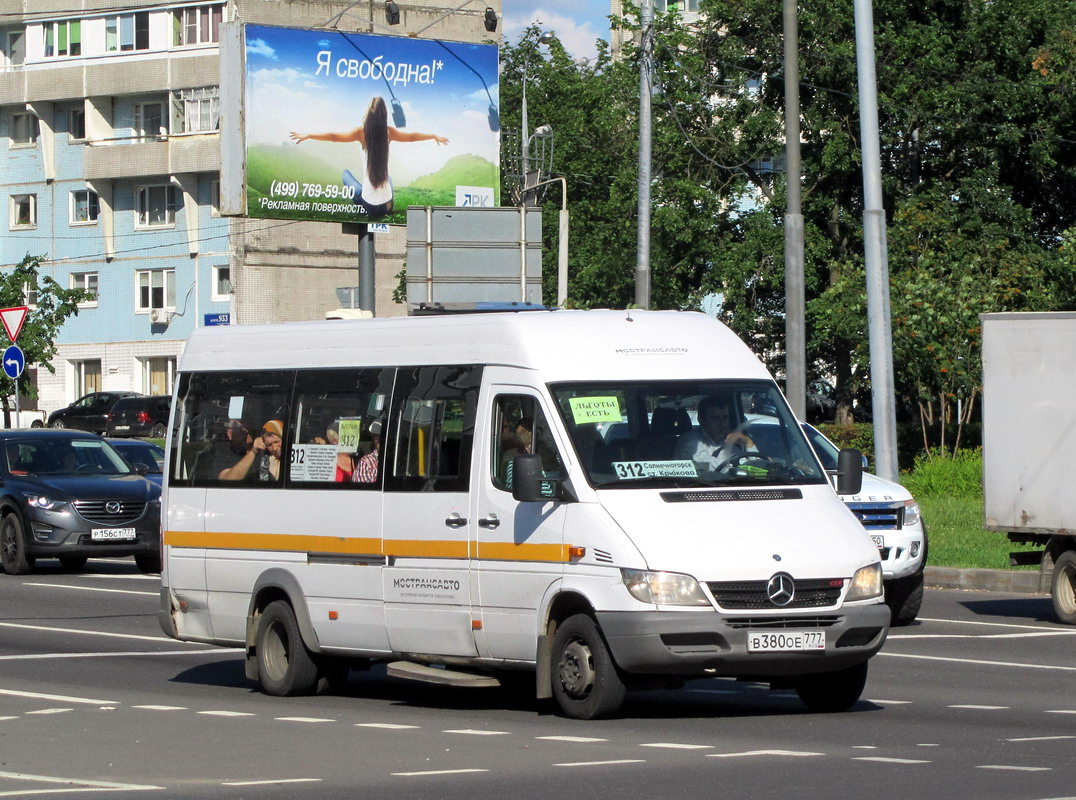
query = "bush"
x=957 y=476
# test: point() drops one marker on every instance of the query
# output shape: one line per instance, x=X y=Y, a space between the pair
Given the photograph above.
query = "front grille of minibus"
x=752 y=594
x=724 y=495
x=781 y=622
x=95 y=511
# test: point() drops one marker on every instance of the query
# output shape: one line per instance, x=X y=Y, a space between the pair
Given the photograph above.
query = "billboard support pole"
x=367 y=257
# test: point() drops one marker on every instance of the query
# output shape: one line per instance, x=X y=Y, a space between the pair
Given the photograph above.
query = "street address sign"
x=13 y=319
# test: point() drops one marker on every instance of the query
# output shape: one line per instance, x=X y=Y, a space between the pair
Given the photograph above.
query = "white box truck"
x=1029 y=437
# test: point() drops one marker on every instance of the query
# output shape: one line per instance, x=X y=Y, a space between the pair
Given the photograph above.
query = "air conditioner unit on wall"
x=158 y=316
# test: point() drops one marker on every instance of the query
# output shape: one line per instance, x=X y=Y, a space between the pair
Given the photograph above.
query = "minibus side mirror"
x=849 y=471
x=527 y=478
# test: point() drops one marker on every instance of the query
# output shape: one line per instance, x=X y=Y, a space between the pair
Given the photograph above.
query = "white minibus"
x=603 y=499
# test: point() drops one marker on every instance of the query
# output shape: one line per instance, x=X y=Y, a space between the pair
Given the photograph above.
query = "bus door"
x=520 y=545
x=428 y=533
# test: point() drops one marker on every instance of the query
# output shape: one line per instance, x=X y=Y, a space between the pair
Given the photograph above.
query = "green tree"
x=53 y=306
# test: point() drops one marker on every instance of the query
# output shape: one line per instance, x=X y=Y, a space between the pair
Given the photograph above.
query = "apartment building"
x=110 y=165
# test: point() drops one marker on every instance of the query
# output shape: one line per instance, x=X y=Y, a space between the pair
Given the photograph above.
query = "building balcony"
x=121 y=159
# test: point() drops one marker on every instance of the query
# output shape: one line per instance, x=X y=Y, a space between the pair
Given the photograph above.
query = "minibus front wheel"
x=285 y=666
x=827 y=692
x=586 y=683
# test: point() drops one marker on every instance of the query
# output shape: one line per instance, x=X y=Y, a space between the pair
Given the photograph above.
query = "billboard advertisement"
x=347 y=127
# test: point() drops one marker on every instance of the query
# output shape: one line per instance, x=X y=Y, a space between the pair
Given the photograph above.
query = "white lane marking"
x=50 y=711
x=980 y=708
x=303 y=719
x=987 y=624
x=601 y=763
x=980 y=635
x=82 y=632
x=575 y=739
x=479 y=733
x=271 y=783
x=1014 y=768
x=228 y=713
x=386 y=725
x=77 y=783
x=59 y=698
x=122 y=654
x=928 y=744
x=5 y=719
x=1061 y=711
x=793 y=753
x=885 y=760
x=93 y=589
x=162 y=708
x=1039 y=738
x=864 y=747
x=107 y=576
x=889 y=702
x=675 y=746
x=979 y=661
x=439 y=772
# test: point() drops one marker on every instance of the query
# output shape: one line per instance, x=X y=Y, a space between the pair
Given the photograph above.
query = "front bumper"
x=53 y=534
x=685 y=643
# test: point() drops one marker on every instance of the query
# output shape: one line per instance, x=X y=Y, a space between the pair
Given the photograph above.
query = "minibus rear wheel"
x=833 y=691
x=285 y=666
x=586 y=683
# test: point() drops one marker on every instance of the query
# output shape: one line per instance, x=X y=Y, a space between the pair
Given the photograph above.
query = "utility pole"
x=795 y=298
x=879 y=324
x=646 y=52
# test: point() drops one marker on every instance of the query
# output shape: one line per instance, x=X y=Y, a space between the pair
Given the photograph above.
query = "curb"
x=988 y=580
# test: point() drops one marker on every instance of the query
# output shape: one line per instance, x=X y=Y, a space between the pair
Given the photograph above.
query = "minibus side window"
x=339 y=417
x=519 y=426
x=431 y=428
x=220 y=416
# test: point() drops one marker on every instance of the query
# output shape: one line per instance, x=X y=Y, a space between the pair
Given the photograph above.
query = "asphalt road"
x=975 y=700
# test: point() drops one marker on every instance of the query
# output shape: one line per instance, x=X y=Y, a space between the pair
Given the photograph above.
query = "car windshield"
x=685 y=434
x=50 y=456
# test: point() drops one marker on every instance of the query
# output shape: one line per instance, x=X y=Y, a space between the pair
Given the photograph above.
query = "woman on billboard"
x=374 y=194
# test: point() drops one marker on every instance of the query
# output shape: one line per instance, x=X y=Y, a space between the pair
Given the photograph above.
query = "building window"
x=196 y=109
x=88 y=376
x=63 y=38
x=76 y=123
x=23 y=128
x=198 y=25
x=23 y=211
x=222 y=283
x=88 y=282
x=214 y=198
x=12 y=48
x=84 y=207
x=156 y=206
x=127 y=32
x=158 y=375
x=156 y=289
x=149 y=120
x=29 y=293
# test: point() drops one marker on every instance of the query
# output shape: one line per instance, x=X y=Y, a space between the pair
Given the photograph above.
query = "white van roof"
x=562 y=345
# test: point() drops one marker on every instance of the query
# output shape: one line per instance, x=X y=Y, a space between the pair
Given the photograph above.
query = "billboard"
x=347 y=127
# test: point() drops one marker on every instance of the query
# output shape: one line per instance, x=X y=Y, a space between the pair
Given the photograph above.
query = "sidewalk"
x=988 y=580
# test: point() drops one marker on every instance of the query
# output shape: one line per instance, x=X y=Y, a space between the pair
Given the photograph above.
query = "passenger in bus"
x=716 y=441
x=366 y=471
x=262 y=459
x=345 y=462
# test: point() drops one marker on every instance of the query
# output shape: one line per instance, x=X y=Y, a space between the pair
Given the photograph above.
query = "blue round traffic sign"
x=14 y=361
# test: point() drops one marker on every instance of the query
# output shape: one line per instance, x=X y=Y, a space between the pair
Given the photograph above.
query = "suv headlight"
x=664 y=588
x=866 y=583
x=42 y=501
x=912 y=514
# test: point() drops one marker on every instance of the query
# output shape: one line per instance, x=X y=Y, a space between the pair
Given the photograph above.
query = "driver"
x=715 y=442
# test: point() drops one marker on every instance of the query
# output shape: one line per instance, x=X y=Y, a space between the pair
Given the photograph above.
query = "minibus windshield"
x=685 y=434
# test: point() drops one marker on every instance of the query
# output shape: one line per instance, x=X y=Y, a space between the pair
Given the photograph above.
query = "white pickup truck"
x=22 y=419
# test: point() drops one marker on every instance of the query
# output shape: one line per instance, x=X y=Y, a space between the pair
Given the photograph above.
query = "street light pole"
x=642 y=259
x=795 y=299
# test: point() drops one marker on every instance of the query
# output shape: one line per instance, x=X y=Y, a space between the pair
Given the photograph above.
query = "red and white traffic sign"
x=13 y=319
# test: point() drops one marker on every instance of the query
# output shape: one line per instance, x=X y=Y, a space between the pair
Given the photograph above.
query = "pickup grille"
x=879 y=516
x=752 y=594
x=96 y=511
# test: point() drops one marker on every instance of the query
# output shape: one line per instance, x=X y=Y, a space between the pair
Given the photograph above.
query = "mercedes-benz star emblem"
x=781 y=589
x=112 y=506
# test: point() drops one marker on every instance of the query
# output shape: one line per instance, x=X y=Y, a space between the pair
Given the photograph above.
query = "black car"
x=70 y=495
x=141 y=415
x=88 y=413
x=145 y=458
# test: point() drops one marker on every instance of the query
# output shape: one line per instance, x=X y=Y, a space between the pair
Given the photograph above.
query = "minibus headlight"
x=866 y=583
x=912 y=514
x=664 y=588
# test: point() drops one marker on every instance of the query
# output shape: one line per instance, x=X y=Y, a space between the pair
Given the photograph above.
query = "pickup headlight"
x=41 y=501
x=912 y=514
x=664 y=588
x=866 y=583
